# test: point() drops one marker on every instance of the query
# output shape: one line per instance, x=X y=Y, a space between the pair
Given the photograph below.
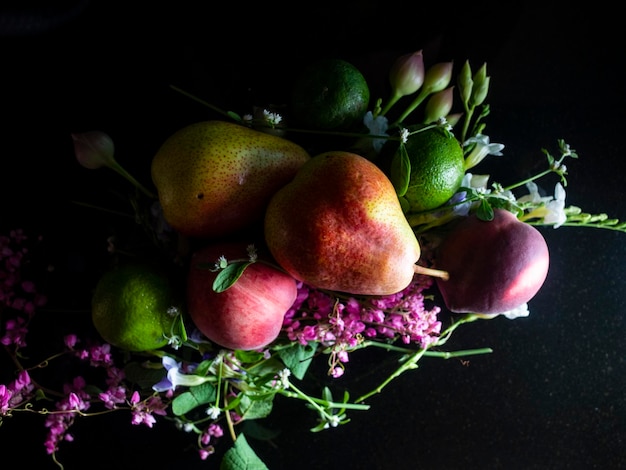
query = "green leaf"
x=242 y=457
x=266 y=370
x=485 y=211
x=298 y=358
x=255 y=409
x=234 y=115
x=248 y=357
x=400 y=170
x=229 y=275
x=196 y=396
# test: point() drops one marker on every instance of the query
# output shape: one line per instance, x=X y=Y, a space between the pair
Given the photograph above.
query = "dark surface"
x=552 y=395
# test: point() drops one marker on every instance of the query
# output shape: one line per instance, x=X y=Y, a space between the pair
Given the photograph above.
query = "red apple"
x=494 y=266
x=249 y=314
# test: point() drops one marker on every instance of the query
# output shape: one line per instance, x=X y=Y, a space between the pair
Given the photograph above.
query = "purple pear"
x=493 y=266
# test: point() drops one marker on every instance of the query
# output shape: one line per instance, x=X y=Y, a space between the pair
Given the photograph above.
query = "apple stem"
x=431 y=272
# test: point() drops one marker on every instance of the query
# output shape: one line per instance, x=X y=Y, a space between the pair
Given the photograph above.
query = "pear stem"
x=431 y=272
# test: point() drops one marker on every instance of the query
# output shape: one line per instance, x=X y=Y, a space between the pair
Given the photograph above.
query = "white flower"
x=518 y=312
x=481 y=150
x=556 y=208
x=533 y=195
x=376 y=126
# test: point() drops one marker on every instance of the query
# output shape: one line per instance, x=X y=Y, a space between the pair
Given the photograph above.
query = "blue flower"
x=176 y=377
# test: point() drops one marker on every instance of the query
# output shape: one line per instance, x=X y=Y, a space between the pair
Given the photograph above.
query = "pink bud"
x=407 y=73
x=439 y=105
x=438 y=77
x=94 y=149
x=453 y=119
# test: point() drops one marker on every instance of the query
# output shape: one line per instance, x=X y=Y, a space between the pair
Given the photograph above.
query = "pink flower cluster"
x=342 y=323
x=16 y=293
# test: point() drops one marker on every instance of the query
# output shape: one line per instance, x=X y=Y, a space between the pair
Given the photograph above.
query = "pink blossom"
x=143 y=412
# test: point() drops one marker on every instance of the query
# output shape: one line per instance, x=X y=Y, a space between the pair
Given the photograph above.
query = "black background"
x=552 y=395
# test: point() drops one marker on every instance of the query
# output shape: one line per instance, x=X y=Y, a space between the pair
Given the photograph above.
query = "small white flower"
x=272 y=119
x=213 y=412
x=252 y=254
x=221 y=263
x=284 y=377
x=175 y=342
x=404 y=135
x=333 y=421
x=443 y=122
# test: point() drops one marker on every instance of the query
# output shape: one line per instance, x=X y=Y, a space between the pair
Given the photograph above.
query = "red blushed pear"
x=338 y=225
x=494 y=266
x=249 y=314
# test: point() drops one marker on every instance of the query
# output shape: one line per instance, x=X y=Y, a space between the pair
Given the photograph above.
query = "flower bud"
x=407 y=74
x=481 y=86
x=465 y=82
x=438 y=105
x=453 y=119
x=94 y=149
x=438 y=77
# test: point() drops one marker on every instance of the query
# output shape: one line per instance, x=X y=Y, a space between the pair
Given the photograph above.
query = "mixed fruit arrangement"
x=273 y=239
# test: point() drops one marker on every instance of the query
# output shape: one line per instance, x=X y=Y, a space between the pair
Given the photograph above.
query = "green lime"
x=131 y=307
x=330 y=94
x=435 y=168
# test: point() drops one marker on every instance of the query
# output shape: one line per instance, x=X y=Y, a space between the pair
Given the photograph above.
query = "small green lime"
x=436 y=168
x=330 y=94
x=131 y=307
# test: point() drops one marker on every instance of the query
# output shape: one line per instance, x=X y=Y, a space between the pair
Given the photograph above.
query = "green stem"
x=466 y=122
x=424 y=92
x=204 y=103
x=104 y=209
x=410 y=363
x=393 y=100
x=428 y=353
x=316 y=402
x=528 y=180
x=121 y=171
x=445 y=334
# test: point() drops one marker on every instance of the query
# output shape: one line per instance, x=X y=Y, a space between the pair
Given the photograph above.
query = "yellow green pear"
x=338 y=225
x=214 y=178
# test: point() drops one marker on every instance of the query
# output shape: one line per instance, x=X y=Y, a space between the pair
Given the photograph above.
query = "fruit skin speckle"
x=214 y=178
